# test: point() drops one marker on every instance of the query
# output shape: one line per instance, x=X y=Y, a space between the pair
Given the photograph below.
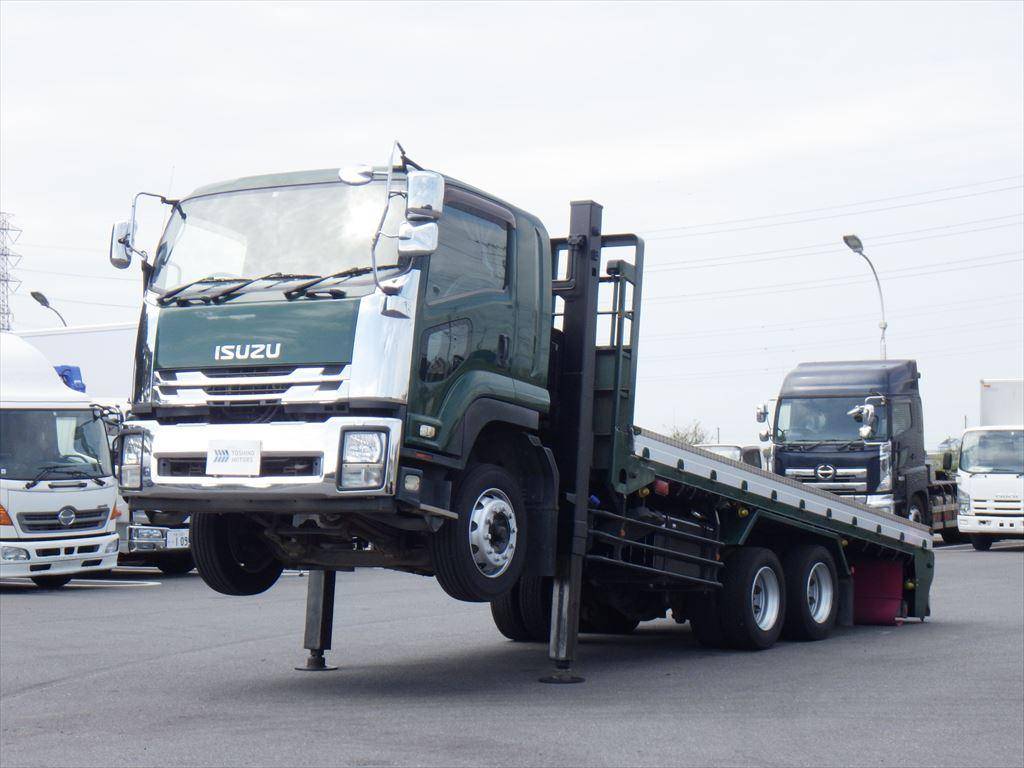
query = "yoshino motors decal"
x=270 y=351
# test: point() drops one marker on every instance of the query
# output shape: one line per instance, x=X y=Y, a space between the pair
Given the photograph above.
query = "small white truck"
x=105 y=355
x=991 y=468
x=58 y=497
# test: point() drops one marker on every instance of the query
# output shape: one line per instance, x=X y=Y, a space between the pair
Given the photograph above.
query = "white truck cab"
x=57 y=491
x=990 y=482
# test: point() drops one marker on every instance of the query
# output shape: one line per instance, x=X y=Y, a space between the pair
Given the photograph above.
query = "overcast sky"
x=742 y=140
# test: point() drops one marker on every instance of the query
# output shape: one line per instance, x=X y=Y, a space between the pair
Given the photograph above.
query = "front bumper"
x=278 y=441
x=883 y=502
x=991 y=525
x=54 y=557
x=153 y=539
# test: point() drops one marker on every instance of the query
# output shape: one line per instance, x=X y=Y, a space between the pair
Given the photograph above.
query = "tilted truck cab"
x=358 y=393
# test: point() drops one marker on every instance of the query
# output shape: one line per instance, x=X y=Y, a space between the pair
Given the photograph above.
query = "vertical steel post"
x=319 y=619
x=576 y=427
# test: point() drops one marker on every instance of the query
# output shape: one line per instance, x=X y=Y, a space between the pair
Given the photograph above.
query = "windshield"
x=308 y=229
x=999 y=452
x=823 y=419
x=65 y=444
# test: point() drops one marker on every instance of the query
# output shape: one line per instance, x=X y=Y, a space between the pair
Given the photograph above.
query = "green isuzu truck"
x=386 y=367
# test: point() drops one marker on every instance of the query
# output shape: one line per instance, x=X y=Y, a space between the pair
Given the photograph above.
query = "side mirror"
x=417 y=239
x=121 y=245
x=947 y=460
x=764 y=435
x=761 y=414
x=425 y=196
x=866 y=431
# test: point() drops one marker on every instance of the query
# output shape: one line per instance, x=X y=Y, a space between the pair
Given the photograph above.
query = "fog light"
x=13 y=553
x=147 y=534
x=412 y=483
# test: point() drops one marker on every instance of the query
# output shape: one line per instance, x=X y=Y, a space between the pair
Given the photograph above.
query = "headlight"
x=133 y=448
x=13 y=553
x=965 y=503
x=111 y=547
x=362 y=460
x=885 y=467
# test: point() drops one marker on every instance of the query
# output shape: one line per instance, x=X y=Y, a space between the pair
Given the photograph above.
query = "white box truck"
x=991 y=467
x=105 y=355
x=57 y=491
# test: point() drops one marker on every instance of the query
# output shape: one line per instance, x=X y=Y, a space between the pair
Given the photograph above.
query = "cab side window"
x=902 y=417
x=471 y=257
x=444 y=349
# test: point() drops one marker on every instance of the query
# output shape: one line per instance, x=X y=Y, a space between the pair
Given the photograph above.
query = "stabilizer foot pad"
x=562 y=677
x=315 y=663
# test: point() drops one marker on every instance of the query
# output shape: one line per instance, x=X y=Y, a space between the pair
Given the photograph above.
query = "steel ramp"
x=778 y=490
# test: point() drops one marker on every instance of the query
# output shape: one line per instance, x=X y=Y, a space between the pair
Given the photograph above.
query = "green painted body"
x=306 y=333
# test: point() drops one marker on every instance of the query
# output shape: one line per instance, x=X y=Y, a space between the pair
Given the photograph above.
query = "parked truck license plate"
x=177 y=539
x=233 y=458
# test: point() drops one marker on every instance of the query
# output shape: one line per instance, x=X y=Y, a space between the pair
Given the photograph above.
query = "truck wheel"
x=176 y=564
x=50 y=582
x=508 y=618
x=535 y=606
x=230 y=555
x=753 y=601
x=982 y=543
x=479 y=556
x=952 y=536
x=706 y=620
x=811 y=585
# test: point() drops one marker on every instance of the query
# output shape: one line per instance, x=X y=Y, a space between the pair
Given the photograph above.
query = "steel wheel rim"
x=493 y=533
x=914 y=515
x=820 y=593
x=765 y=598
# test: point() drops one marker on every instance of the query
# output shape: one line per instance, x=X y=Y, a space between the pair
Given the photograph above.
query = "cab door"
x=466 y=321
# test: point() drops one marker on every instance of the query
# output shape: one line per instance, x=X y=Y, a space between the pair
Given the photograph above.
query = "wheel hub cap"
x=493 y=533
x=765 y=598
x=819 y=593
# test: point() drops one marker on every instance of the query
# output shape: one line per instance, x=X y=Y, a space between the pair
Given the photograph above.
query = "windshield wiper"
x=63 y=468
x=234 y=290
x=169 y=296
x=303 y=290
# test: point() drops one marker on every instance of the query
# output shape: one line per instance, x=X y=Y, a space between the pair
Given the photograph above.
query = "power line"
x=946 y=330
x=834 y=207
x=873 y=238
x=94 y=303
x=78 y=274
x=837 y=215
x=699 y=263
x=789 y=287
x=916 y=311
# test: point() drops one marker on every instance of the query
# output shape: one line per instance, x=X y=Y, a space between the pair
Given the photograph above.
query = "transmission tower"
x=9 y=235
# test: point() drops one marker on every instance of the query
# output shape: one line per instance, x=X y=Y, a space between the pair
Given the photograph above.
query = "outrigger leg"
x=319 y=619
x=565 y=615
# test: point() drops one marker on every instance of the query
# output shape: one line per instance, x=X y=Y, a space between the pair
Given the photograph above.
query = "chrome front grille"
x=846 y=479
x=270 y=466
x=272 y=384
x=47 y=522
x=997 y=507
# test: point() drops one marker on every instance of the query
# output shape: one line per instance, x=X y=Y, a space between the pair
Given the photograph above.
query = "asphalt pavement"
x=143 y=669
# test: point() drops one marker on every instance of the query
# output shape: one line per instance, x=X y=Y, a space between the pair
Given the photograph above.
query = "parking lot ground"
x=143 y=669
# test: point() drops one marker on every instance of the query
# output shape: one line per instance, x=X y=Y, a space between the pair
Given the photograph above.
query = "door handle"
x=503 y=350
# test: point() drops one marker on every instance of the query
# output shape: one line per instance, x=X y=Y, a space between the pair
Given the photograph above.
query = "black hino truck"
x=387 y=367
x=856 y=428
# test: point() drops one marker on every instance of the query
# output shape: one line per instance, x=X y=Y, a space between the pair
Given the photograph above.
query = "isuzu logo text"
x=247 y=351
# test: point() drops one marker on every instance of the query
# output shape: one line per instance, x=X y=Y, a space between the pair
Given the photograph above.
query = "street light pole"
x=854 y=244
x=45 y=302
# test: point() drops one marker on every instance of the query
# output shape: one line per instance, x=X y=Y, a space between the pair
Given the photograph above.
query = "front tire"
x=812 y=588
x=231 y=556
x=50 y=582
x=176 y=564
x=982 y=543
x=952 y=536
x=480 y=556
x=753 y=602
